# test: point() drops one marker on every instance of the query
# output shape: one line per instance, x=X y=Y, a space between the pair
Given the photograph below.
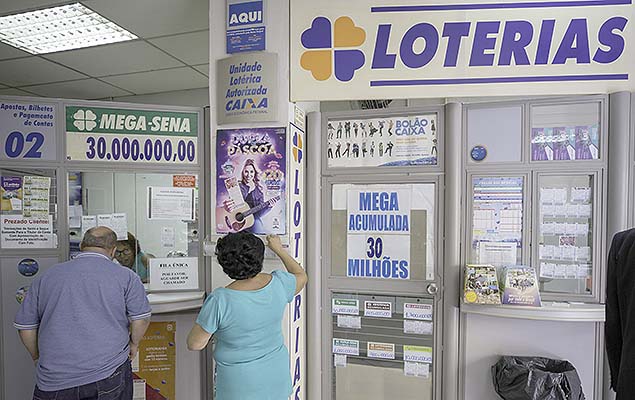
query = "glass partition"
x=28 y=199
x=497 y=220
x=154 y=215
x=382 y=347
x=566 y=232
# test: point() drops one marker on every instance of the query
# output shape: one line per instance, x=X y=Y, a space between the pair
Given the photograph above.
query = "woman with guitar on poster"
x=248 y=217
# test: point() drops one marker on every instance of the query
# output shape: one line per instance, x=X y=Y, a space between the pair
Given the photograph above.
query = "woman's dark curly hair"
x=240 y=254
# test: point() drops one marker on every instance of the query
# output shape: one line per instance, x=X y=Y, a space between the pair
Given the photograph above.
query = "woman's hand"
x=274 y=243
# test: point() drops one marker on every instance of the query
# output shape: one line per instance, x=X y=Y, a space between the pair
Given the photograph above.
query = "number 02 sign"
x=27 y=131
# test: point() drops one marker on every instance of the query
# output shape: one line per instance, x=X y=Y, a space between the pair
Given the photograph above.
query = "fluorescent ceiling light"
x=68 y=27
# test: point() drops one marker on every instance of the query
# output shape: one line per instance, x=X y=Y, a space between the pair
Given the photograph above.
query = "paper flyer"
x=157 y=361
x=11 y=193
x=251 y=180
x=36 y=196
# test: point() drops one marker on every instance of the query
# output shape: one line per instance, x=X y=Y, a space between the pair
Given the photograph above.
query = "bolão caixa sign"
x=413 y=49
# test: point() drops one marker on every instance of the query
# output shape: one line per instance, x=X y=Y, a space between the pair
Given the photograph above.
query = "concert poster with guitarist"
x=251 y=181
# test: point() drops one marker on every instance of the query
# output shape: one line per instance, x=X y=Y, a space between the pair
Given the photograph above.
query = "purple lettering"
x=406 y=50
x=296 y=184
x=482 y=42
x=297 y=237
x=296 y=374
x=613 y=41
x=544 y=41
x=454 y=31
x=298 y=303
x=575 y=43
x=297 y=213
x=381 y=58
x=516 y=36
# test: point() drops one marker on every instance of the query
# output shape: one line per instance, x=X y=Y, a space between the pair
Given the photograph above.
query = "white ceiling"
x=172 y=53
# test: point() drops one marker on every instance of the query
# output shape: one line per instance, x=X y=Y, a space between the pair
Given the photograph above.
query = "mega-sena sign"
x=456 y=48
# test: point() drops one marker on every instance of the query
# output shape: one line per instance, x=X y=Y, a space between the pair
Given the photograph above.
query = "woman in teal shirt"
x=245 y=318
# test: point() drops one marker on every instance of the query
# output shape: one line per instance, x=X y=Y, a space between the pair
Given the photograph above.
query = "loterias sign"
x=363 y=49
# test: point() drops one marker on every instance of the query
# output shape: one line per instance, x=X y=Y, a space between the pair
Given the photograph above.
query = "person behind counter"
x=129 y=254
x=245 y=317
x=82 y=322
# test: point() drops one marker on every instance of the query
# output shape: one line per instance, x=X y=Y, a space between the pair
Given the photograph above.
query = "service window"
x=155 y=217
x=566 y=233
x=383 y=231
x=28 y=208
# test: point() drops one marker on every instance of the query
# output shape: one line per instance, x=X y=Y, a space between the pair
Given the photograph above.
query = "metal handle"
x=432 y=289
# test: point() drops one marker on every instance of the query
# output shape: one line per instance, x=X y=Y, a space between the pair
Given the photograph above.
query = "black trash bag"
x=536 y=378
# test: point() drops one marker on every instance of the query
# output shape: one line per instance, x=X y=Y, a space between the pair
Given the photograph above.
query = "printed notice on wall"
x=378 y=240
x=17 y=232
x=171 y=203
x=379 y=309
x=420 y=354
x=178 y=273
x=346 y=346
x=385 y=142
x=36 y=190
x=345 y=306
x=157 y=362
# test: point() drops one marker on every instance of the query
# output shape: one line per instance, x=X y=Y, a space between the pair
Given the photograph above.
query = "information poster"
x=134 y=136
x=11 y=193
x=390 y=141
x=171 y=203
x=177 y=273
x=27 y=131
x=378 y=233
x=36 y=194
x=251 y=181
x=17 y=232
x=565 y=143
x=245 y=26
x=156 y=363
x=497 y=216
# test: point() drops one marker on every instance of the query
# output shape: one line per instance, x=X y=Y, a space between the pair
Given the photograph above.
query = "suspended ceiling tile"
x=160 y=81
x=7 y=51
x=204 y=69
x=34 y=70
x=151 y=18
x=14 y=92
x=82 y=89
x=191 y=48
x=116 y=59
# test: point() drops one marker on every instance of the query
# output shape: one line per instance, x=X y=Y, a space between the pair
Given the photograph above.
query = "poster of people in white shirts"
x=386 y=142
x=378 y=237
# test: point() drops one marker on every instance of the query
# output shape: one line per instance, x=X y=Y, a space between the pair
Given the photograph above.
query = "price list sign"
x=133 y=136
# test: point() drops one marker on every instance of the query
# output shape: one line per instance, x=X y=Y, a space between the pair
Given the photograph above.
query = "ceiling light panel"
x=67 y=27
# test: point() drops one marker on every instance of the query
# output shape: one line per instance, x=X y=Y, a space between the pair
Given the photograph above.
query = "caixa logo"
x=333 y=47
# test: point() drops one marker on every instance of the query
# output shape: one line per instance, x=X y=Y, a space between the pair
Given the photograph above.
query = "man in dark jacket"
x=620 y=314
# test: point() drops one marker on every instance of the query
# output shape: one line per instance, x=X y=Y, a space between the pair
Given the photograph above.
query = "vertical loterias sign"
x=411 y=49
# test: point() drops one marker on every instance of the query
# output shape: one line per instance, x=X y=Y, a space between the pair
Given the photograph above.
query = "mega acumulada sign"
x=364 y=49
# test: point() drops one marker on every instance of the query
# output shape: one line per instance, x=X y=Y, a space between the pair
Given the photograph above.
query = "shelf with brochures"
x=549 y=311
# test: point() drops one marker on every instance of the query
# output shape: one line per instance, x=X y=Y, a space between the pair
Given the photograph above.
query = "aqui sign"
x=360 y=49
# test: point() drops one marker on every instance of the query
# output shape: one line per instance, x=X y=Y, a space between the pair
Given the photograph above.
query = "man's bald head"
x=99 y=237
